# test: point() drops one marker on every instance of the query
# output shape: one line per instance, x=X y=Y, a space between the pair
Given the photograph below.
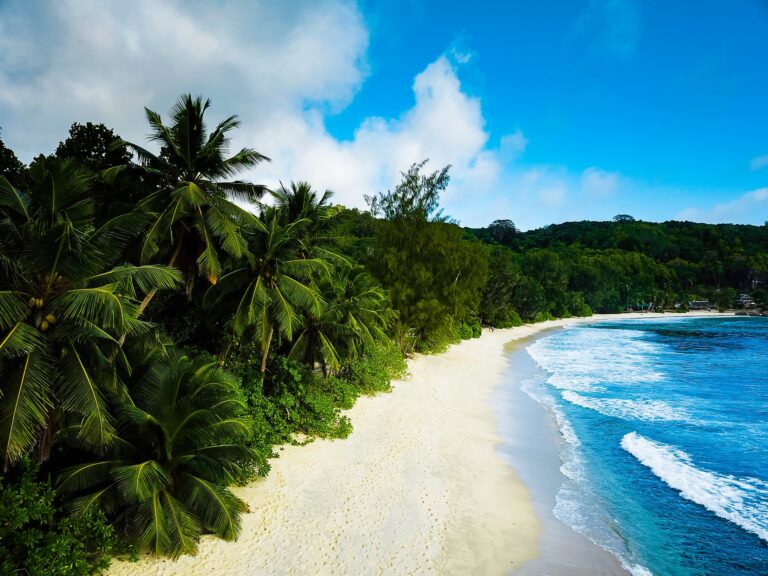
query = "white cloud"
x=749 y=207
x=281 y=66
x=512 y=146
x=444 y=125
x=91 y=60
x=759 y=162
x=598 y=183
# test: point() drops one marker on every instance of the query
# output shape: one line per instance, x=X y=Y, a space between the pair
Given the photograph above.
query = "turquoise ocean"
x=665 y=440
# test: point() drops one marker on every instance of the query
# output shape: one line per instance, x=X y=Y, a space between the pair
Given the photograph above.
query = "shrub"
x=510 y=320
x=290 y=399
x=543 y=317
x=438 y=340
x=38 y=539
x=372 y=373
x=465 y=331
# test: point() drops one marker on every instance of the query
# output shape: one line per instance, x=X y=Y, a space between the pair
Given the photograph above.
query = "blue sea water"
x=665 y=428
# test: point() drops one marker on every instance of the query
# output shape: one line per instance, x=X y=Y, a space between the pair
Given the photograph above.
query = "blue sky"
x=548 y=111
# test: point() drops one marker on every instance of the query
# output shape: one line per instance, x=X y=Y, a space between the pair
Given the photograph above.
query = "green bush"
x=38 y=539
x=438 y=340
x=510 y=320
x=543 y=317
x=290 y=400
x=471 y=329
x=372 y=373
x=465 y=331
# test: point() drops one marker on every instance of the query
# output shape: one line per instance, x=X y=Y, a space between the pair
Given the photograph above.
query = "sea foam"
x=647 y=410
x=743 y=501
x=591 y=358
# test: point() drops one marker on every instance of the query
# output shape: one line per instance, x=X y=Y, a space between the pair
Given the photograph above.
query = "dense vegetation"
x=157 y=339
x=612 y=266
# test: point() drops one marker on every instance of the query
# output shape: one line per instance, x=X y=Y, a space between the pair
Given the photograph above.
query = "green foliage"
x=372 y=373
x=433 y=273
x=470 y=329
x=265 y=295
x=140 y=434
x=97 y=148
x=297 y=401
x=12 y=168
x=92 y=146
x=194 y=222
x=37 y=539
x=64 y=306
x=725 y=298
x=438 y=339
x=356 y=315
x=510 y=320
x=181 y=440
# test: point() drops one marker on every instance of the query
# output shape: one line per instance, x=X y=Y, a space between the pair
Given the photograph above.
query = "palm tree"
x=274 y=286
x=179 y=445
x=195 y=220
x=63 y=309
x=300 y=202
x=356 y=316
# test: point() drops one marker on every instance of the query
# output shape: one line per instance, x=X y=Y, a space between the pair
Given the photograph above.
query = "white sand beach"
x=418 y=488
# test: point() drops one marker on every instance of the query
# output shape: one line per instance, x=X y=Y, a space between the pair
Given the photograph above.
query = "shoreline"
x=532 y=446
x=419 y=487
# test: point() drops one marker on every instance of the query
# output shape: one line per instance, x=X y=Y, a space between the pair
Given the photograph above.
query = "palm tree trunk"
x=46 y=439
x=265 y=352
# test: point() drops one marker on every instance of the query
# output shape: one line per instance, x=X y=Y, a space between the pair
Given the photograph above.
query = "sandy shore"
x=418 y=488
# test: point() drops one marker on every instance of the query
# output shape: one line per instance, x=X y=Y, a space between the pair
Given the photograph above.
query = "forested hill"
x=663 y=242
x=627 y=262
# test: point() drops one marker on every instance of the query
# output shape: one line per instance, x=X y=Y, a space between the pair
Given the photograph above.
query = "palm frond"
x=151 y=522
x=13 y=308
x=12 y=199
x=184 y=529
x=145 y=278
x=20 y=340
x=243 y=191
x=25 y=405
x=99 y=305
x=86 y=475
x=82 y=395
x=140 y=482
x=216 y=506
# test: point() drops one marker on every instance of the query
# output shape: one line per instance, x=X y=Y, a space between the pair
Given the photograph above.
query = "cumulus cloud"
x=284 y=67
x=444 y=124
x=281 y=66
x=93 y=60
x=749 y=207
x=512 y=146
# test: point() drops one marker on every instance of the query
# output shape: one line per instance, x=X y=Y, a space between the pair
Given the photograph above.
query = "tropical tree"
x=195 y=218
x=434 y=275
x=180 y=443
x=11 y=167
x=356 y=316
x=273 y=286
x=298 y=201
x=63 y=308
x=98 y=148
